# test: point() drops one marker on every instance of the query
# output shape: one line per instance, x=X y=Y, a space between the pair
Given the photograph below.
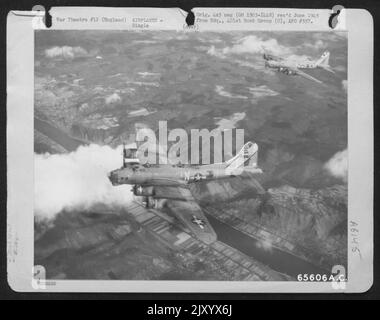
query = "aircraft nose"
x=111 y=177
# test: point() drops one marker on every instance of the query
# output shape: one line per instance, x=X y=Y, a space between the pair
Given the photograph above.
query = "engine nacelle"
x=143 y=191
x=287 y=71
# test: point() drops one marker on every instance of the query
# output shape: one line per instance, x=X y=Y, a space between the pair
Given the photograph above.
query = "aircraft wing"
x=305 y=75
x=182 y=204
x=179 y=192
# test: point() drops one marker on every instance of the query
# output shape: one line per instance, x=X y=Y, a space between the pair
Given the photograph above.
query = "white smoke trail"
x=77 y=180
x=338 y=165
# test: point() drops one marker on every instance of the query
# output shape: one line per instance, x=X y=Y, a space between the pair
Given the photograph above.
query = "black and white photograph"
x=202 y=156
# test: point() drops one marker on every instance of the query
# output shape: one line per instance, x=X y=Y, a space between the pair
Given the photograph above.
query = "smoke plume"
x=338 y=165
x=77 y=180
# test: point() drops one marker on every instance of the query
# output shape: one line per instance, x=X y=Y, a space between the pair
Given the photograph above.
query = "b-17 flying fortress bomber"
x=171 y=183
x=292 y=67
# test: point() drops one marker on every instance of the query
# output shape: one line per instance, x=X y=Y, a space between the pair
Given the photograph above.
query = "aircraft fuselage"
x=172 y=175
x=285 y=65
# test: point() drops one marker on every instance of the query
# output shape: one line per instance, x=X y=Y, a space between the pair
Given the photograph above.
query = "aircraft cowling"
x=287 y=71
x=143 y=191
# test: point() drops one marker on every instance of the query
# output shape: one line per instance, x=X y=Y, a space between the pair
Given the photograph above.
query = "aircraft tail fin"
x=323 y=62
x=247 y=156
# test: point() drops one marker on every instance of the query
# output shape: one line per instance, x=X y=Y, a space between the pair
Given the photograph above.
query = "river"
x=274 y=258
